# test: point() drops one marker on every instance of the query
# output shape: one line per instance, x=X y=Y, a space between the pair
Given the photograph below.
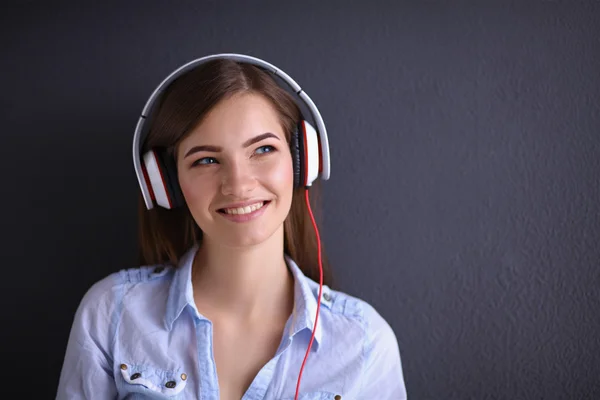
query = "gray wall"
x=463 y=201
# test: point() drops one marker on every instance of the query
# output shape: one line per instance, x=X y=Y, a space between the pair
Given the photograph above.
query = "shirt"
x=137 y=334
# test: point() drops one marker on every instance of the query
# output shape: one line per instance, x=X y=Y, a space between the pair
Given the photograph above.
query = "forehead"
x=237 y=118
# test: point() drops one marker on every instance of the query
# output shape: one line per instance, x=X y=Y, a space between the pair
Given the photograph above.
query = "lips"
x=243 y=207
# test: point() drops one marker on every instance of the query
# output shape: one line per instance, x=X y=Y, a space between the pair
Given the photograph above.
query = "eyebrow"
x=217 y=149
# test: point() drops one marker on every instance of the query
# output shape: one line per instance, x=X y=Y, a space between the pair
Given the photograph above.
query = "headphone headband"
x=139 y=134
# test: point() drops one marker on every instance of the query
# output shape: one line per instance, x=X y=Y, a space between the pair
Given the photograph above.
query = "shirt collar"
x=181 y=293
x=306 y=292
x=305 y=296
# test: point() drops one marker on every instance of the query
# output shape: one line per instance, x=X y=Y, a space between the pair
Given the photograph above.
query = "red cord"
x=320 y=292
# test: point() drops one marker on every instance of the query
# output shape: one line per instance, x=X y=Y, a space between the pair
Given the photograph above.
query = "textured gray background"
x=464 y=197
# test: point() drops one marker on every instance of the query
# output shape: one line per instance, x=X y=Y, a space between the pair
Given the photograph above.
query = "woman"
x=227 y=304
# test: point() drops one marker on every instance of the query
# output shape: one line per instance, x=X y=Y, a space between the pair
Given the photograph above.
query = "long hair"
x=165 y=235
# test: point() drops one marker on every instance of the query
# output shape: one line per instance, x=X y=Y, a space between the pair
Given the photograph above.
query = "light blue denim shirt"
x=137 y=334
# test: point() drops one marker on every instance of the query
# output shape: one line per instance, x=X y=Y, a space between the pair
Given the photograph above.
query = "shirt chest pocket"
x=144 y=381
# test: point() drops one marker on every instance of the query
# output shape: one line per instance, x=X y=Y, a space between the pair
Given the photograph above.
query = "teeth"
x=244 y=210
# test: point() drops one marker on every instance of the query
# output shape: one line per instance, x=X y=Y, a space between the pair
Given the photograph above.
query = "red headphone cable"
x=320 y=293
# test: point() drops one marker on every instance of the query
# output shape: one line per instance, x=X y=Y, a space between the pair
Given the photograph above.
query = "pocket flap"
x=166 y=382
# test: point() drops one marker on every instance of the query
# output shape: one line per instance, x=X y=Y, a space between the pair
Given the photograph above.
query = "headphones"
x=157 y=173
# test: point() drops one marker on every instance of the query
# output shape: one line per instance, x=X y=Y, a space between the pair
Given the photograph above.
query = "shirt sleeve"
x=87 y=371
x=383 y=377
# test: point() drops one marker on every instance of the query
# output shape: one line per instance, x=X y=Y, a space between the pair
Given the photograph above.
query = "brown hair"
x=165 y=235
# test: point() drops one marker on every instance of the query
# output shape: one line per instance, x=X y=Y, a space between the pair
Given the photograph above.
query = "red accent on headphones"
x=148 y=183
x=305 y=166
x=320 y=155
x=162 y=178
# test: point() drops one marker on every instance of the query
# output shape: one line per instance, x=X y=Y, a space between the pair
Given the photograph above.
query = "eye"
x=265 y=149
x=204 y=161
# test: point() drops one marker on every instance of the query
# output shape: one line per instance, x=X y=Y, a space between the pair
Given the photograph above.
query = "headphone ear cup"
x=170 y=170
x=296 y=148
x=311 y=153
x=156 y=178
x=161 y=178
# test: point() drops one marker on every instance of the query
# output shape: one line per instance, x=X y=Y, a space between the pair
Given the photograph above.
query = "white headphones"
x=156 y=172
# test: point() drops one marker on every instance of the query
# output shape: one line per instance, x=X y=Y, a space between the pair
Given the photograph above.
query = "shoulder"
x=127 y=277
x=382 y=366
x=356 y=311
x=108 y=294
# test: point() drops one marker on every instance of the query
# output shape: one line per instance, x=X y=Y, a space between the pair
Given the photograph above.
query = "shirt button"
x=170 y=384
x=327 y=297
x=183 y=377
x=338 y=397
x=123 y=367
x=135 y=376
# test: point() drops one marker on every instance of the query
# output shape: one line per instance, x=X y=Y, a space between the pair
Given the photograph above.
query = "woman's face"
x=235 y=161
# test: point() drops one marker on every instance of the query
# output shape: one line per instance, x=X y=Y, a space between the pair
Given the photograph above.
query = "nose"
x=238 y=180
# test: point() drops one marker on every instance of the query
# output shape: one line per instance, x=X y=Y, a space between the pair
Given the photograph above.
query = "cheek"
x=190 y=190
x=283 y=175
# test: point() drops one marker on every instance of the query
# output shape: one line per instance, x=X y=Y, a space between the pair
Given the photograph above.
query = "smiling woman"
x=234 y=298
x=196 y=104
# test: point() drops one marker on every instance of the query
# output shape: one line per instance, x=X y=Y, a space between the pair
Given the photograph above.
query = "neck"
x=248 y=284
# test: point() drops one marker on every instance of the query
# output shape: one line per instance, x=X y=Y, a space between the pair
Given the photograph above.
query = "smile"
x=244 y=210
x=242 y=214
